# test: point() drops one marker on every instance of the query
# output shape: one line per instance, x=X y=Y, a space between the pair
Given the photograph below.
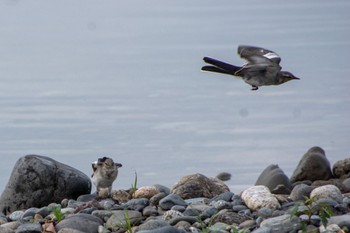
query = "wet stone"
x=169 y=201
x=29 y=227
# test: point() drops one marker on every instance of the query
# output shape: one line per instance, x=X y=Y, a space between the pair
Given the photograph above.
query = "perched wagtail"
x=105 y=172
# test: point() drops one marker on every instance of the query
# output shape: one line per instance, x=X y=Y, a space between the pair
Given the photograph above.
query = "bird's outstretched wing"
x=258 y=55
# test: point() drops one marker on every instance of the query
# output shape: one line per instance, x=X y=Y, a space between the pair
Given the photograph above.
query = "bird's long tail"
x=219 y=66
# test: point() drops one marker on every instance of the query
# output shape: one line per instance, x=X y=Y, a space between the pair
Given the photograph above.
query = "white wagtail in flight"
x=262 y=67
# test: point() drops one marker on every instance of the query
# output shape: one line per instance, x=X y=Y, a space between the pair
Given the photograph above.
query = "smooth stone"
x=265 y=212
x=44 y=211
x=275 y=179
x=224 y=176
x=218 y=227
x=282 y=223
x=346 y=183
x=198 y=185
x=69 y=230
x=87 y=197
x=226 y=196
x=162 y=189
x=30 y=212
x=260 y=196
x=327 y=191
x=313 y=166
x=156 y=198
x=103 y=214
x=120 y=217
x=189 y=219
x=29 y=228
x=179 y=208
x=152 y=224
x=137 y=204
x=169 y=201
x=81 y=222
x=150 y=211
x=341 y=168
x=38 y=181
x=9 y=227
x=300 y=191
x=341 y=220
x=264 y=230
x=166 y=229
x=238 y=208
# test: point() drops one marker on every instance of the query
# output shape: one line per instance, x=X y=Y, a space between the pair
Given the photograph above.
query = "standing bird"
x=105 y=172
x=262 y=67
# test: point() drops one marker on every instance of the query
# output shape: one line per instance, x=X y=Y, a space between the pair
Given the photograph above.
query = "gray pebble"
x=16 y=215
x=29 y=228
x=169 y=201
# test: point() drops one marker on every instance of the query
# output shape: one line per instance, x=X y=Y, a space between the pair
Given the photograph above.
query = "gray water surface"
x=85 y=79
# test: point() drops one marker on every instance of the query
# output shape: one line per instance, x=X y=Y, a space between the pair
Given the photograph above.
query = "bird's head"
x=286 y=76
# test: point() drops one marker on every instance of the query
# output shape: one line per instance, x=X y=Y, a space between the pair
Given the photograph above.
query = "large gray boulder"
x=37 y=181
x=313 y=166
x=274 y=178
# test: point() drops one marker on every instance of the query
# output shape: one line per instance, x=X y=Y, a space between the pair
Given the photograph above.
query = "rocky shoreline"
x=45 y=196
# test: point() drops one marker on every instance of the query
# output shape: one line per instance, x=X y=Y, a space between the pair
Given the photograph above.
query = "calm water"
x=85 y=79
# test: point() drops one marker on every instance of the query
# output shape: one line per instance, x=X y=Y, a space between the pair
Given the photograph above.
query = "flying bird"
x=105 y=171
x=262 y=67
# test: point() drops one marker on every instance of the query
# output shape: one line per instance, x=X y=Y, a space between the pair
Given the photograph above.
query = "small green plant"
x=309 y=208
x=134 y=186
x=128 y=224
x=58 y=212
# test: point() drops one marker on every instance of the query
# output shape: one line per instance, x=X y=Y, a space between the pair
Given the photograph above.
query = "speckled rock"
x=198 y=185
x=38 y=181
x=229 y=217
x=327 y=191
x=273 y=177
x=146 y=192
x=121 y=196
x=313 y=166
x=341 y=169
x=259 y=196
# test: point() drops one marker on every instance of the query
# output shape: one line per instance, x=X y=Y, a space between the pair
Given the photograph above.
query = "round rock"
x=313 y=166
x=273 y=177
x=82 y=222
x=260 y=196
x=38 y=181
x=327 y=191
x=341 y=169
